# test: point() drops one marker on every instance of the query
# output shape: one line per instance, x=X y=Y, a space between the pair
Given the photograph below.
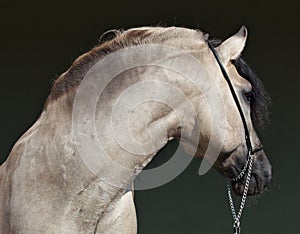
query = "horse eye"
x=248 y=96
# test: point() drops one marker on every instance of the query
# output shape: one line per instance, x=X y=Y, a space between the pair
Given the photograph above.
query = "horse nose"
x=267 y=177
x=259 y=181
x=262 y=171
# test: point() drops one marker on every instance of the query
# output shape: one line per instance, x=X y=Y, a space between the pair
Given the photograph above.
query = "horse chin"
x=254 y=187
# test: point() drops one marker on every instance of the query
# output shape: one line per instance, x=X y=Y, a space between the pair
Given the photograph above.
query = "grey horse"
x=47 y=186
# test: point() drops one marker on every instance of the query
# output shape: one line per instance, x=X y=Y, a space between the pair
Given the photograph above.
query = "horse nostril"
x=267 y=177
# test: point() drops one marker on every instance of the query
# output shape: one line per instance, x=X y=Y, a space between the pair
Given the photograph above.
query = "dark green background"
x=39 y=40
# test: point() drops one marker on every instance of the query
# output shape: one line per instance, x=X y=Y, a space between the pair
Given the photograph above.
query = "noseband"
x=251 y=152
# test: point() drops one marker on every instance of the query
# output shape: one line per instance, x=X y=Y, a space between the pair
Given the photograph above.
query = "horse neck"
x=153 y=122
x=82 y=184
x=63 y=178
x=58 y=132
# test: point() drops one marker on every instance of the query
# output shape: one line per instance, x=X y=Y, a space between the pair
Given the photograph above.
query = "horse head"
x=253 y=101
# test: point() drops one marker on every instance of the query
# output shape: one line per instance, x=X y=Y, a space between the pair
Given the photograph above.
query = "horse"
x=56 y=179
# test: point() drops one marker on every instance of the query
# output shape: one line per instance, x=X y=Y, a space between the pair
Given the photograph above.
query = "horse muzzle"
x=260 y=177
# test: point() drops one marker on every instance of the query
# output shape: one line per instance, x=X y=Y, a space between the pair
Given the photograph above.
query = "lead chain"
x=237 y=217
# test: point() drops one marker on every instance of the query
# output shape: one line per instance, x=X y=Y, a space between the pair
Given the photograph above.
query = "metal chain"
x=237 y=216
x=242 y=173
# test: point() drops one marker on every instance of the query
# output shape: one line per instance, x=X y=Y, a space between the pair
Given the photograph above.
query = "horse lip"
x=255 y=186
x=238 y=189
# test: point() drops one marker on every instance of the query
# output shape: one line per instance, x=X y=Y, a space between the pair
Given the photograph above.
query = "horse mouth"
x=256 y=186
x=261 y=173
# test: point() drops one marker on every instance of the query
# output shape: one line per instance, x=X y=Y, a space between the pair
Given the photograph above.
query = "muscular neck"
x=82 y=192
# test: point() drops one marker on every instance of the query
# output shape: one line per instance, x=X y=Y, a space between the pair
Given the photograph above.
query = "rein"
x=248 y=166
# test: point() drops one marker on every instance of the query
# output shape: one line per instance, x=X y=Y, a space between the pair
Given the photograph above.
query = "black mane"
x=260 y=100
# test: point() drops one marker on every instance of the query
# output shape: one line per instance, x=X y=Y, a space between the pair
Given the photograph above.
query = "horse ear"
x=232 y=47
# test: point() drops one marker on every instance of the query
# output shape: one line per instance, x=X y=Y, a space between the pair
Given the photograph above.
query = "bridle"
x=248 y=166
